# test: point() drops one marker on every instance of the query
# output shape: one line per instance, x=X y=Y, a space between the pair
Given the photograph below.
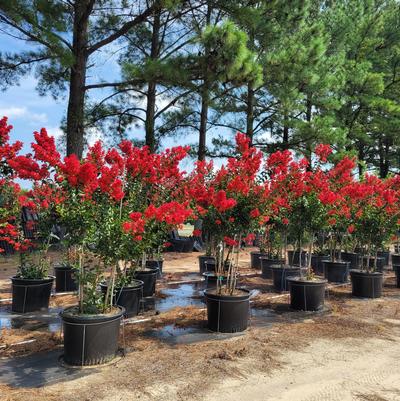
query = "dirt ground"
x=348 y=352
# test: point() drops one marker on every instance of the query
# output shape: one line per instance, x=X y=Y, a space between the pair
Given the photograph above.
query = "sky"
x=26 y=110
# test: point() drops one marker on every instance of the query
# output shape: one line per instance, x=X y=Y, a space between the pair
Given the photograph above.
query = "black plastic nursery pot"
x=336 y=272
x=211 y=279
x=366 y=284
x=395 y=259
x=90 y=339
x=128 y=297
x=294 y=258
x=255 y=262
x=202 y=264
x=30 y=295
x=65 y=280
x=317 y=263
x=155 y=264
x=266 y=264
x=380 y=262
x=385 y=255
x=149 y=278
x=280 y=274
x=352 y=257
x=396 y=269
x=210 y=265
x=307 y=295
x=227 y=313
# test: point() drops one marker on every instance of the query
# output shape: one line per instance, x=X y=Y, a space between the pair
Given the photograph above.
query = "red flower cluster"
x=171 y=213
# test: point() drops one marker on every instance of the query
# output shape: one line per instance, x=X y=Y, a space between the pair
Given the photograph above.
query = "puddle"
x=42 y=321
x=173 y=334
x=176 y=295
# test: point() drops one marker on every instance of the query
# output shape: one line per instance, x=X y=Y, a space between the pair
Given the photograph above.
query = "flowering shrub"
x=121 y=203
x=10 y=197
x=227 y=200
x=376 y=213
x=118 y=203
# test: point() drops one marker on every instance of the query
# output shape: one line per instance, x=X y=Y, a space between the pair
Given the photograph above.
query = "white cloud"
x=24 y=113
x=56 y=132
x=12 y=112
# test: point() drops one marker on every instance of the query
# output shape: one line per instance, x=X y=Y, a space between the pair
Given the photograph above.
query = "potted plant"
x=227 y=201
x=299 y=188
x=282 y=172
x=272 y=240
x=159 y=221
x=31 y=286
x=64 y=271
x=377 y=214
x=69 y=188
x=339 y=199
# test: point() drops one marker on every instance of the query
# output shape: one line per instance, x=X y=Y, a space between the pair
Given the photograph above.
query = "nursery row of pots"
x=305 y=293
x=88 y=339
x=30 y=295
x=93 y=339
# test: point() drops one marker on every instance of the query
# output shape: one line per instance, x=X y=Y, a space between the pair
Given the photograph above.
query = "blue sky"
x=26 y=110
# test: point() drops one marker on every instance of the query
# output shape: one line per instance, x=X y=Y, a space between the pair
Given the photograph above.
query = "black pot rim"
x=147 y=270
x=155 y=260
x=208 y=274
x=38 y=280
x=82 y=319
x=274 y=259
x=257 y=252
x=206 y=256
x=358 y=272
x=63 y=267
x=338 y=262
x=224 y=297
x=302 y=280
x=127 y=287
x=286 y=268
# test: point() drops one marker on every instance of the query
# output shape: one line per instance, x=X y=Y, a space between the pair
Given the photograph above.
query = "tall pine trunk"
x=76 y=101
x=285 y=136
x=205 y=98
x=152 y=86
x=384 y=164
x=308 y=119
x=203 y=122
x=250 y=113
x=361 y=158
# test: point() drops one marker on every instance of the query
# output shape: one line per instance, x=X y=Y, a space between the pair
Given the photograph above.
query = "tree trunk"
x=361 y=158
x=250 y=113
x=76 y=101
x=203 y=122
x=201 y=154
x=285 y=136
x=152 y=86
x=384 y=163
x=308 y=119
